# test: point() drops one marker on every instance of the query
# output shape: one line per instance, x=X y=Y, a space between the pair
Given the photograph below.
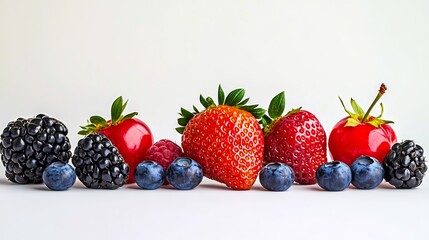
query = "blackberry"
x=404 y=165
x=28 y=146
x=98 y=163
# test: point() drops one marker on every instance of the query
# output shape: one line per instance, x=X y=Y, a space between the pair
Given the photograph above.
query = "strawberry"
x=296 y=139
x=131 y=136
x=225 y=139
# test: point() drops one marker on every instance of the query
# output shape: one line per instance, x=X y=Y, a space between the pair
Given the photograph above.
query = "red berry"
x=164 y=152
x=131 y=136
x=361 y=134
x=296 y=139
x=225 y=140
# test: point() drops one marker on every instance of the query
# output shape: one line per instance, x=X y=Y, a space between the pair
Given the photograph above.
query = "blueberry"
x=59 y=176
x=276 y=176
x=367 y=172
x=334 y=176
x=184 y=173
x=149 y=175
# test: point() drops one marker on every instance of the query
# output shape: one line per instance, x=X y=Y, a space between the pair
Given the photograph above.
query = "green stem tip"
x=381 y=91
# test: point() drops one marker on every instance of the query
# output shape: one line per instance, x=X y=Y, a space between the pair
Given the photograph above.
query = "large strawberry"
x=225 y=139
x=297 y=139
x=131 y=136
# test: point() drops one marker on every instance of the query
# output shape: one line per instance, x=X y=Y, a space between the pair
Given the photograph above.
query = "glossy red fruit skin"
x=348 y=143
x=132 y=137
x=299 y=141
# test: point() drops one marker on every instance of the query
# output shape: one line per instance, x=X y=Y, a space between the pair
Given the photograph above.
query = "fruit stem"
x=381 y=91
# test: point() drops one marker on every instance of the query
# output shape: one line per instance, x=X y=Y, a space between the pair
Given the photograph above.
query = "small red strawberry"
x=225 y=139
x=164 y=152
x=296 y=139
x=131 y=136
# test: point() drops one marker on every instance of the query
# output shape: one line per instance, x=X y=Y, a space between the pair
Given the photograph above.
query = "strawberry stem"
x=233 y=99
x=381 y=91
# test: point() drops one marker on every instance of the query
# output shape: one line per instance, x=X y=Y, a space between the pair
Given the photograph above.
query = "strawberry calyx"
x=97 y=123
x=360 y=117
x=234 y=99
x=275 y=111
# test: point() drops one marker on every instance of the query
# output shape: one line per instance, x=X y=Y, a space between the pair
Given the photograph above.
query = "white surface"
x=212 y=211
x=71 y=59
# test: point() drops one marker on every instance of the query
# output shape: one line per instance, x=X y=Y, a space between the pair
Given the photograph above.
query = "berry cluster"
x=230 y=141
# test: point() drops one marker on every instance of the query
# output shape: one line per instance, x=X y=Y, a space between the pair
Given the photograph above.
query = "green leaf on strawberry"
x=233 y=99
x=220 y=95
x=275 y=111
x=277 y=105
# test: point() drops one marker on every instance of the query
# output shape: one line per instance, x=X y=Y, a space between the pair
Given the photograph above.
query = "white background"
x=71 y=59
